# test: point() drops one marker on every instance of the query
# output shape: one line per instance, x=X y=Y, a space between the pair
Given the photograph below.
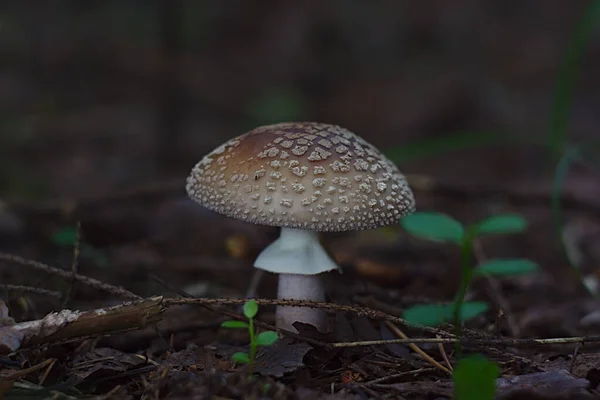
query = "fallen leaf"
x=285 y=356
x=104 y=361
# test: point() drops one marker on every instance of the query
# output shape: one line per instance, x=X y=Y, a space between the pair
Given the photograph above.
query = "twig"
x=383 y=342
x=398 y=375
x=484 y=341
x=207 y=304
x=514 y=357
x=47 y=372
x=361 y=311
x=445 y=355
x=24 y=372
x=417 y=349
x=371 y=303
x=116 y=290
x=31 y=289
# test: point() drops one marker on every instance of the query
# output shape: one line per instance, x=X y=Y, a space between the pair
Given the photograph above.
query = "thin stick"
x=95 y=283
x=383 y=342
x=207 y=304
x=398 y=375
x=31 y=289
x=24 y=372
x=361 y=311
x=417 y=349
x=445 y=355
x=487 y=341
x=47 y=372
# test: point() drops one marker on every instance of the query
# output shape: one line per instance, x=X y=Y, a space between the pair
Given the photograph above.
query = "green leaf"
x=507 y=266
x=234 y=324
x=437 y=314
x=428 y=314
x=475 y=378
x=433 y=226
x=65 y=237
x=471 y=309
x=508 y=223
x=241 y=358
x=266 y=338
x=250 y=308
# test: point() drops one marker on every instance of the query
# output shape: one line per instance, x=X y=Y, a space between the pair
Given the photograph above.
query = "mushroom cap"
x=302 y=175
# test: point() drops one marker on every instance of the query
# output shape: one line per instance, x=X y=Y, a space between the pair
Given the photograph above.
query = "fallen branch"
x=68 y=324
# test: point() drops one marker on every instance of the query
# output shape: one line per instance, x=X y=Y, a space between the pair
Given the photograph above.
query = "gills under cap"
x=302 y=175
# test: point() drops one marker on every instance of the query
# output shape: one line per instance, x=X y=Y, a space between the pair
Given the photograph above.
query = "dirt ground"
x=106 y=106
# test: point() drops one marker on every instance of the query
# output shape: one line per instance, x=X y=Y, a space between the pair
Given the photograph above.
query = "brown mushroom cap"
x=302 y=175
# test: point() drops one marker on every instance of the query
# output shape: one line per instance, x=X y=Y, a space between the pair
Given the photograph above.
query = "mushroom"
x=306 y=178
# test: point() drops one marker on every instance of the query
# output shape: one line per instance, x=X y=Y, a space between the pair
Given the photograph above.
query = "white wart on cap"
x=303 y=175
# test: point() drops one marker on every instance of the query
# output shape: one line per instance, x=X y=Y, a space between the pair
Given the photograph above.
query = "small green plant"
x=265 y=338
x=443 y=228
x=474 y=376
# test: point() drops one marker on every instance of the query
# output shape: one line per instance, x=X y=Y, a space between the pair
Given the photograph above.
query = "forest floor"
x=162 y=274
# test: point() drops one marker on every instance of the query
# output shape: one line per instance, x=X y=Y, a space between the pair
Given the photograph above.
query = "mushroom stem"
x=298 y=257
x=300 y=287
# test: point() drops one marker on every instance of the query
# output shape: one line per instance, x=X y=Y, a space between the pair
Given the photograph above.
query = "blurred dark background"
x=104 y=95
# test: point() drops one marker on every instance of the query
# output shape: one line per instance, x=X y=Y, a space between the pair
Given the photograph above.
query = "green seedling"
x=474 y=376
x=265 y=338
x=443 y=228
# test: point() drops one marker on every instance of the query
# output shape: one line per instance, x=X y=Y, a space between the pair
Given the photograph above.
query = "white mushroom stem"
x=300 y=287
x=298 y=258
